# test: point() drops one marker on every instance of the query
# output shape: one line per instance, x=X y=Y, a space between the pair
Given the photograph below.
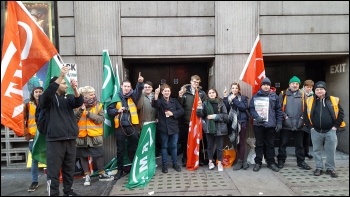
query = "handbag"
x=228 y=157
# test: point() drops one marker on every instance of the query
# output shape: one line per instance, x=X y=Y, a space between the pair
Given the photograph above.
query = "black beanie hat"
x=321 y=84
x=265 y=81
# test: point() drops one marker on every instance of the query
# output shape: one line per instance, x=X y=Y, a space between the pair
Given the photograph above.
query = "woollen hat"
x=265 y=81
x=294 y=79
x=321 y=84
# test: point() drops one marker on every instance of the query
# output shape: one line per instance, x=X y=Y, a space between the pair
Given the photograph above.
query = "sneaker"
x=257 y=167
x=105 y=177
x=318 y=172
x=33 y=186
x=87 y=180
x=220 y=167
x=177 y=167
x=303 y=165
x=71 y=194
x=211 y=165
x=332 y=173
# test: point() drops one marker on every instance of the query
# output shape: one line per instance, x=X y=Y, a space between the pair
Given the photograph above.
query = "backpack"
x=42 y=119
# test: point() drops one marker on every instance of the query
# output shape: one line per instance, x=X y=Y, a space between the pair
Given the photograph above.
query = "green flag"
x=39 y=146
x=144 y=164
x=110 y=87
x=53 y=70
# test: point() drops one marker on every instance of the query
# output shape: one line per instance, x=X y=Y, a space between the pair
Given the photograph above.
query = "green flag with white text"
x=144 y=164
x=110 y=87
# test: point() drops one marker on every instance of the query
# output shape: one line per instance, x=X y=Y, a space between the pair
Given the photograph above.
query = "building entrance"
x=174 y=74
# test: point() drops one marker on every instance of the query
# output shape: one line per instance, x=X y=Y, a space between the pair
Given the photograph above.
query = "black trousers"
x=306 y=142
x=60 y=155
x=298 y=141
x=132 y=134
x=264 y=144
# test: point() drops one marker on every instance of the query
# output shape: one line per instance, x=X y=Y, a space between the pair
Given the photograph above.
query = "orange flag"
x=194 y=137
x=254 y=69
x=26 y=49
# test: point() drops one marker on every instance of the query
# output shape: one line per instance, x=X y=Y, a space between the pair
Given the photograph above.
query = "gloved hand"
x=278 y=128
x=260 y=119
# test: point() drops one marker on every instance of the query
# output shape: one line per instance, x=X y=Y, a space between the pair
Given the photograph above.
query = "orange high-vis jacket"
x=87 y=126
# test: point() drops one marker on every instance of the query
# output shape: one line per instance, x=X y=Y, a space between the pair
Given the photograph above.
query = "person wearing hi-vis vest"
x=30 y=130
x=323 y=117
x=126 y=121
x=90 y=119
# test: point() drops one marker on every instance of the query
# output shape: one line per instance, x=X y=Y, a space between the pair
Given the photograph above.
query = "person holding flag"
x=169 y=111
x=186 y=97
x=126 y=121
x=62 y=131
x=214 y=111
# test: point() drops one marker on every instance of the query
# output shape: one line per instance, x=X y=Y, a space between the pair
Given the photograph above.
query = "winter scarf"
x=210 y=111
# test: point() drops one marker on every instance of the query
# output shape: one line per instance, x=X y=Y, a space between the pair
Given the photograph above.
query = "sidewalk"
x=290 y=181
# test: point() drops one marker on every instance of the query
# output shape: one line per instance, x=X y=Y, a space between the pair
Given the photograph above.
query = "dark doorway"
x=174 y=74
x=281 y=72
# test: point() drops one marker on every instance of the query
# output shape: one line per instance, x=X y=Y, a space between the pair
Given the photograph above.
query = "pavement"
x=289 y=181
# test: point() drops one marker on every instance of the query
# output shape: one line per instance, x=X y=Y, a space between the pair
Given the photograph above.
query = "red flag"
x=194 y=137
x=254 y=69
x=26 y=49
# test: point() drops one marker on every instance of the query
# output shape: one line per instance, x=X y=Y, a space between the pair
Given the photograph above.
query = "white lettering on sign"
x=338 y=68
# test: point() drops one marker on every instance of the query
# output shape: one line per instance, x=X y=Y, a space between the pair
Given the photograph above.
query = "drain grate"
x=298 y=176
x=208 y=182
x=326 y=192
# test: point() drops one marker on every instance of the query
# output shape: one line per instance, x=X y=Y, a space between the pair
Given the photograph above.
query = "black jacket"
x=168 y=125
x=62 y=123
x=187 y=102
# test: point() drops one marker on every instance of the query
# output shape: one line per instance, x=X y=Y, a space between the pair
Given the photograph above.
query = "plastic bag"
x=251 y=156
x=228 y=157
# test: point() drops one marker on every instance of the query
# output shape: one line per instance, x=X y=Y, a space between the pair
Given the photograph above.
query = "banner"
x=25 y=50
x=254 y=69
x=110 y=87
x=144 y=163
x=194 y=137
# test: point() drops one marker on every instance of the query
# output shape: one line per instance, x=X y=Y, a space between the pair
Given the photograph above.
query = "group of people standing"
x=296 y=112
x=76 y=126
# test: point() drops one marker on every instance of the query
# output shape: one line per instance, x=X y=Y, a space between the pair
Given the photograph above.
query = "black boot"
x=245 y=165
x=118 y=175
x=238 y=165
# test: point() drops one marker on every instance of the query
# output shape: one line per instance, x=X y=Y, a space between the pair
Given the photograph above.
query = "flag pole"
x=249 y=57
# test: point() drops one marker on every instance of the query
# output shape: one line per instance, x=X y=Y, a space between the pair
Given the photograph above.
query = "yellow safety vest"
x=31 y=124
x=334 y=101
x=133 y=112
x=87 y=126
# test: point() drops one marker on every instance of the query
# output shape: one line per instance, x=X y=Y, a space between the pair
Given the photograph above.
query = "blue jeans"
x=170 y=140
x=327 y=141
x=34 y=169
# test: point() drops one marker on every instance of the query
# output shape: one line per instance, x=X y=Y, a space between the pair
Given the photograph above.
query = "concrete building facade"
x=309 y=39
